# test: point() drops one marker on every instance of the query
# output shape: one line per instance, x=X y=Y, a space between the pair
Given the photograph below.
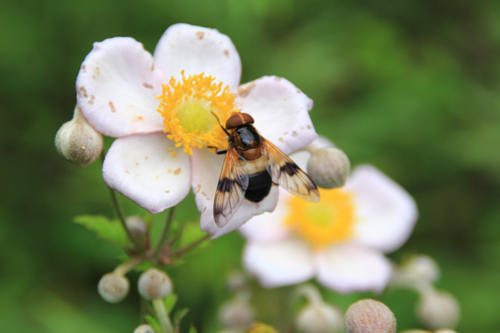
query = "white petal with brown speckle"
x=149 y=170
x=117 y=88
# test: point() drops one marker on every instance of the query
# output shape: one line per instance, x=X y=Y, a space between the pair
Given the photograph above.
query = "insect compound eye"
x=238 y=119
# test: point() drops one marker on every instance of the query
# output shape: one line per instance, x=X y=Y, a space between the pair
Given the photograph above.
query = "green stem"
x=164 y=233
x=127 y=266
x=189 y=247
x=119 y=212
x=162 y=315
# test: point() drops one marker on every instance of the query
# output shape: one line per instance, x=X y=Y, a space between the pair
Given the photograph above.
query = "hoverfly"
x=251 y=167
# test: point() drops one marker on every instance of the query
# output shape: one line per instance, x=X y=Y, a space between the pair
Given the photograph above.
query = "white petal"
x=350 y=268
x=117 y=87
x=280 y=111
x=388 y=213
x=141 y=168
x=198 y=50
x=282 y=263
x=206 y=170
x=267 y=228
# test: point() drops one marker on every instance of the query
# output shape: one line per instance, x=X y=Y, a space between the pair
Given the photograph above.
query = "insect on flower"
x=251 y=167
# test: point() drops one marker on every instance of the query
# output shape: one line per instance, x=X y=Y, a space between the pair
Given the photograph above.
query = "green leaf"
x=153 y=322
x=110 y=230
x=192 y=329
x=170 y=301
x=179 y=315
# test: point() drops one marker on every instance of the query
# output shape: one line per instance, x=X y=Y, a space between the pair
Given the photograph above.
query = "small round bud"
x=419 y=270
x=78 y=142
x=236 y=281
x=319 y=318
x=369 y=316
x=137 y=228
x=261 y=328
x=236 y=313
x=328 y=167
x=113 y=287
x=154 y=284
x=438 y=309
x=144 y=329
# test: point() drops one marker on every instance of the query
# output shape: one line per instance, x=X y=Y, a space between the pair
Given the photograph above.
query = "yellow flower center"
x=328 y=222
x=188 y=109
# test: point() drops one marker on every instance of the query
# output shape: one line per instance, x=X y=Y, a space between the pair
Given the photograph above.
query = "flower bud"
x=438 y=309
x=154 y=284
x=417 y=271
x=236 y=313
x=77 y=141
x=369 y=316
x=319 y=318
x=328 y=167
x=113 y=287
x=236 y=281
x=261 y=328
x=144 y=329
x=137 y=228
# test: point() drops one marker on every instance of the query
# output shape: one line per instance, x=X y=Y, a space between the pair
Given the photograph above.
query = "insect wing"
x=288 y=174
x=233 y=183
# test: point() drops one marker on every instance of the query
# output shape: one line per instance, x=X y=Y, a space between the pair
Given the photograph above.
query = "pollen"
x=328 y=222
x=188 y=108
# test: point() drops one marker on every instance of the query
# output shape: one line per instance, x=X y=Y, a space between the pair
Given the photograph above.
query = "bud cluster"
x=237 y=314
x=435 y=309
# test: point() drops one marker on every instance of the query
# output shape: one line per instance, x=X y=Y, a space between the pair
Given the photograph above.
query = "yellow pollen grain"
x=187 y=107
x=328 y=222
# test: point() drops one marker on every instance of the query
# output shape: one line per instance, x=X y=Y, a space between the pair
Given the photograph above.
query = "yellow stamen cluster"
x=187 y=106
x=328 y=222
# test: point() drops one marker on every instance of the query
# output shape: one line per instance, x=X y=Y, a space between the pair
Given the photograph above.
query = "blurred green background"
x=409 y=86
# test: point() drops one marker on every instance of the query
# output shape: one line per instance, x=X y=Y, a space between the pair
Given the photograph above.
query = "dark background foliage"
x=409 y=86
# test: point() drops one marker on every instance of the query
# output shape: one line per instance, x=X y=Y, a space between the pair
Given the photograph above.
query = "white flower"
x=160 y=109
x=340 y=240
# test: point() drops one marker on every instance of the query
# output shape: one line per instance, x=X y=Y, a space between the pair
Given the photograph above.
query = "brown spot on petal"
x=152 y=67
x=298 y=91
x=146 y=158
x=137 y=164
x=111 y=106
x=226 y=53
x=295 y=134
x=245 y=89
x=309 y=127
x=257 y=206
x=167 y=191
x=285 y=133
x=200 y=34
x=84 y=69
x=281 y=140
x=127 y=172
x=198 y=188
x=170 y=170
x=84 y=91
x=97 y=72
x=147 y=86
x=178 y=171
x=203 y=193
x=208 y=198
x=278 y=79
x=204 y=209
x=91 y=100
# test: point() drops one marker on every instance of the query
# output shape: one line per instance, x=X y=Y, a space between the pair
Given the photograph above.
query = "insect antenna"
x=220 y=124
